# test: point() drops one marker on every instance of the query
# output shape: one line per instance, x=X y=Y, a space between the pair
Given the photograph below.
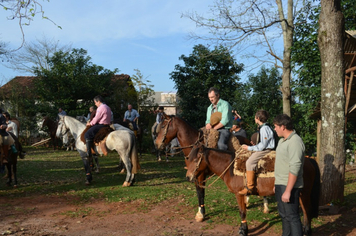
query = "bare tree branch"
x=24 y=11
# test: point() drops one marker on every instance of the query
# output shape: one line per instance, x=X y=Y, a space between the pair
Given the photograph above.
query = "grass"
x=47 y=172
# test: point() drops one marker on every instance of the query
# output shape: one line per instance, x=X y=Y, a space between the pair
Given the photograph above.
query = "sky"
x=138 y=34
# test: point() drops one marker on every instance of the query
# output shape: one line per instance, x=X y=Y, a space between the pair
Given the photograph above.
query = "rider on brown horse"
x=6 y=141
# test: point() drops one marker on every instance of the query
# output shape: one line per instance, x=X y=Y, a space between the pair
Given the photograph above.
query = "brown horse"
x=11 y=160
x=202 y=161
x=52 y=129
x=172 y=127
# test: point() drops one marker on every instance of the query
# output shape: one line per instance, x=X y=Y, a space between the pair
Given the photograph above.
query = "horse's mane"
x=185 y=121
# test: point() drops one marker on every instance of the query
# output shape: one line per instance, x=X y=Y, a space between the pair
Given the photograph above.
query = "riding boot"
x=89 y=144
x=250 y=176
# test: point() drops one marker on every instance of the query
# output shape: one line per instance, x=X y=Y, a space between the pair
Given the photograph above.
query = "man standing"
x=102 y=118
x=131 y=115
x=288 y=171
x=225 y=123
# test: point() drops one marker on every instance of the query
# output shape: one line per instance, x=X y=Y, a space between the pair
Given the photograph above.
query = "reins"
x=220 y=176
x=176 y=148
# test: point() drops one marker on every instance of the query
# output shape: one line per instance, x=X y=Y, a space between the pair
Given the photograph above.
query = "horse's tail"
x=134 y=156
x=315 y=193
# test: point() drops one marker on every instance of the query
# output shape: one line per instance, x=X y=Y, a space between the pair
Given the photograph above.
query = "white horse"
x=121 y=140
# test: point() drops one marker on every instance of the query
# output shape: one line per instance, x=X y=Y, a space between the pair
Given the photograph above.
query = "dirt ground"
x=50 y=215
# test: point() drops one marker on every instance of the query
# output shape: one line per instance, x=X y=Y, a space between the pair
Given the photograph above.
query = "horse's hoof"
x=199 y=217
x=97 y=171
x=87 y=182
x=122 y=171
x=15 y=186
x=266 y=211
x=126 y=184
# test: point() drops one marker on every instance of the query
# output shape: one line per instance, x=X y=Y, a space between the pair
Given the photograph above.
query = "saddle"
x=99 y=138
x=131 y=127
x=265 y=166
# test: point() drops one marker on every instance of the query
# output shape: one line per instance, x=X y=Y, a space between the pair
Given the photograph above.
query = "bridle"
x=200 y=136
x=63 y=126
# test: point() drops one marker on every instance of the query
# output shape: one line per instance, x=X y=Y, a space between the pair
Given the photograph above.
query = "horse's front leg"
x=243 y=230
x=87 y=168
x=199 y=185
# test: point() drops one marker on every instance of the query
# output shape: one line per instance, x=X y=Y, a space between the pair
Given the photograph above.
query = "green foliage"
x=261 y=91
x=348 y=9
x=144 y=90
x=203 y=69
x=72 y=81
x=306 y=85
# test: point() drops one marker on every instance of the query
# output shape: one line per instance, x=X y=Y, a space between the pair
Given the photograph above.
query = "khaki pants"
x=252 y=161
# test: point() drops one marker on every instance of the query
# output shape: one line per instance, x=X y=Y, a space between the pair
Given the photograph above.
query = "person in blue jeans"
x=225 y=123
x=288 y=171
x=131 y=115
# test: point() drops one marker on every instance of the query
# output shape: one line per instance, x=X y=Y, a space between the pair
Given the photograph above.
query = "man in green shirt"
x=225 y=124
x=288 y=171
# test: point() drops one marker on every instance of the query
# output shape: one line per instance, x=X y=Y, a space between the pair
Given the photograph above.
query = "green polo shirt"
x=289 y=159
x=226 y=113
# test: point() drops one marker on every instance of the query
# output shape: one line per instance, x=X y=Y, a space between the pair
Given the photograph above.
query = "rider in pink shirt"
x=102 y=116
x=100 y=120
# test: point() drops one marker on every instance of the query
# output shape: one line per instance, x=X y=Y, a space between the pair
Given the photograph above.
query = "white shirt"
x=14 y=128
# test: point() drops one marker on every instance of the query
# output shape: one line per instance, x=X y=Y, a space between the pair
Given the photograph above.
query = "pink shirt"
x=102 y=116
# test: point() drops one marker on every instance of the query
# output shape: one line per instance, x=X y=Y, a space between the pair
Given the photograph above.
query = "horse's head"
x=166 y=131
x=195 y=162
x=62 y=129
x=44 y=121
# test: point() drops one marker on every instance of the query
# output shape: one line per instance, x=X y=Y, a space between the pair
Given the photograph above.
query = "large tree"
x=331 y=45
x=257 y=24
x=259 y=92
x=202 y=69
x=72 y=81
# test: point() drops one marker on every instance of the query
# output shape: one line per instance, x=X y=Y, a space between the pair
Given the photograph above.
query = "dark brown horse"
x=11 y=160
x=52 y=129
x=187 y=135
x=202 y=162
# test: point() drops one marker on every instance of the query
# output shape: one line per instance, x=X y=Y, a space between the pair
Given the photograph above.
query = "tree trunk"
x=332 y=156
x=287 y=28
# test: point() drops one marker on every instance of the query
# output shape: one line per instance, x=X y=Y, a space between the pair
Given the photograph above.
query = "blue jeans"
x=289 y=211
x=89 y=135
x=223 y=139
